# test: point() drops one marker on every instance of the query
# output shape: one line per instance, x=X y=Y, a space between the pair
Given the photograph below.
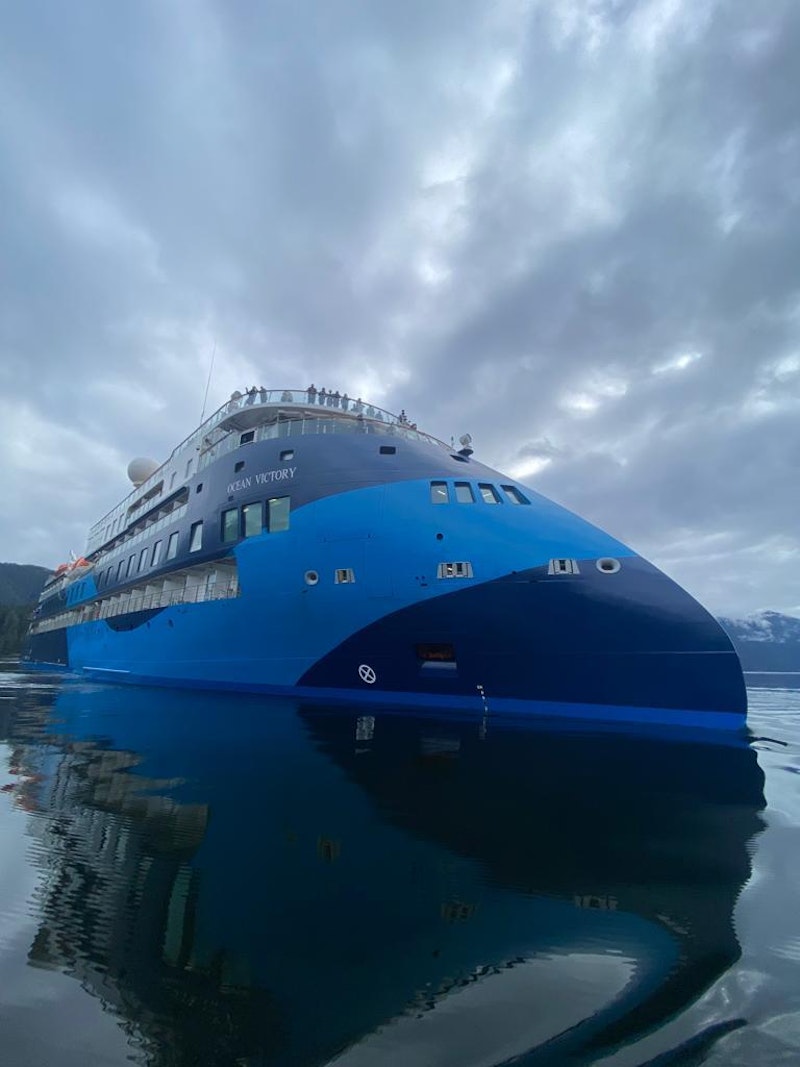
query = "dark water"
x=201 y=879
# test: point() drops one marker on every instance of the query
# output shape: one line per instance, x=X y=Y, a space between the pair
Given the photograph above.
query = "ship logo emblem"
x=367 y=674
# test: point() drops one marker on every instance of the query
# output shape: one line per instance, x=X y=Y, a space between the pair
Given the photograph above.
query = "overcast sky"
x=569 y=227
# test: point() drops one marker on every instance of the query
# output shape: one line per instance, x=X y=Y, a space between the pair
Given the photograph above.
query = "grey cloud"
x=512 y=216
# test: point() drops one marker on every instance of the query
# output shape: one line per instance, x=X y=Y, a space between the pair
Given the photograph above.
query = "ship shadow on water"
x=250 y=881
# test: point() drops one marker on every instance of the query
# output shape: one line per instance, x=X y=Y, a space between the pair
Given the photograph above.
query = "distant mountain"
x=767 y=641
x=21 y=583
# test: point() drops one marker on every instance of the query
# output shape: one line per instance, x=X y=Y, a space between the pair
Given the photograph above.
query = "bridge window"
x=252 y=519
x=464 y=494
x=513 y=495
x=439 y=493
x=278 y=514
x=230 y=525
x=196 y=536
x=488 y=493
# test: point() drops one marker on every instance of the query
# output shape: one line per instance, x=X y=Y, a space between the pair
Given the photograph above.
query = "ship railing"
x=378 y=419
x=127 y=603
x=307 y=426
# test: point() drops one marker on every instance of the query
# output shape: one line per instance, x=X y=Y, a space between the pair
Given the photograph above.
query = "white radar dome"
x=140 y=469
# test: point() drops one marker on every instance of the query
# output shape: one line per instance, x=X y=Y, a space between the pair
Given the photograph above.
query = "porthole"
x=607 y=565
x=311 y=577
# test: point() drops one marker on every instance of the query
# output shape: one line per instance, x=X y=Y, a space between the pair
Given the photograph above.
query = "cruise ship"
x=308 y=544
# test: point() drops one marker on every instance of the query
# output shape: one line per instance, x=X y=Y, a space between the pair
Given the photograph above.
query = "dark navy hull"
x=458 y=603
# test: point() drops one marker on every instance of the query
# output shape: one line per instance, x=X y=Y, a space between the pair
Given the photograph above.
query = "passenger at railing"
x=403 y=419
x=286 y=397
x=345 y=402
x=322 y=396
x=262 y=395
x=329 y=401
x=251 y=395
x=336 y=399
x=358 y=407
x=236 y=397
x=312 y=394
x=370 y=411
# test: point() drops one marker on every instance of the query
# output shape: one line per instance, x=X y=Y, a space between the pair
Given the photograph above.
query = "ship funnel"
x=140 y=469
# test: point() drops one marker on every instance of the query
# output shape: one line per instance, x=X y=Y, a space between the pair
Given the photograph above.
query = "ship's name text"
x=283 y=474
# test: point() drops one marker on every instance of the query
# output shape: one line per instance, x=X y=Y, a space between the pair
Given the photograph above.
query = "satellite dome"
x=140 y=469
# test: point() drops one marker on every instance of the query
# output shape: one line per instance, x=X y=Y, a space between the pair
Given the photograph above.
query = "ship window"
x=464 y=494
x=247 y=438
x=142 y=559
x=513 y=495
x=252 y=521
x=189 y=467
x=563 y=566
x=172 y=545
x=387 y=450
x=454 y=570
x=131 y=560
x=230 y=525
x=199 y=487
x=156 y=553
x=489 y=493
x=196 y=536
x=287 y=454
x=278 y=514
x=439 y=494
x=109 y=572
x=172 y=479
x=345 y=576
x=239 y=466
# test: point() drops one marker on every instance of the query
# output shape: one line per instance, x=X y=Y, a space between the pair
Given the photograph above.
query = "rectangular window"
x=344 y=576
x=439 y=494
x=109 y=572
x=464 y=494
x=387 y=450
x=278 y=514
x=239 y=466
x=230 y=526
x=488 y=493
x=120 y=565
x=454 y=570
x=513 y=495
x=247 y=438
x=189 y=467
x=131 y=561
x=252 y=519
x=156 y=553
x=196 y=536
x=287 y=454
x=172 y=545
x=142 y=559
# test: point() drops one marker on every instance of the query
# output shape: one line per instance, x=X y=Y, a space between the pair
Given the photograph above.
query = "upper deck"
x=256 y=415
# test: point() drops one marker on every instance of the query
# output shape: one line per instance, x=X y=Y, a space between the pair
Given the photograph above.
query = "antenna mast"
x=208 y=382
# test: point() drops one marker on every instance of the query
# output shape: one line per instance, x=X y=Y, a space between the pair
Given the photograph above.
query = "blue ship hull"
x=452 y=604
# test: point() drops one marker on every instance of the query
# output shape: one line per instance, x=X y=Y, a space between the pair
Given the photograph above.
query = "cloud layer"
x=570 y=227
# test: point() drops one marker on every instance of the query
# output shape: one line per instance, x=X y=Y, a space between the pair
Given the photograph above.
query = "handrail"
x=292 y=398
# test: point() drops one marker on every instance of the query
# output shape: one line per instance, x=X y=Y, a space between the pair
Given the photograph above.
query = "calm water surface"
x=199 y=879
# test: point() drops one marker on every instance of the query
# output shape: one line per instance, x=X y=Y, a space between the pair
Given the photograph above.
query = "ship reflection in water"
x=252 y=882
